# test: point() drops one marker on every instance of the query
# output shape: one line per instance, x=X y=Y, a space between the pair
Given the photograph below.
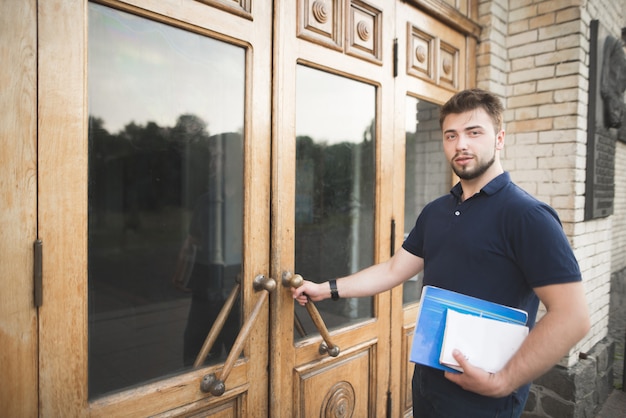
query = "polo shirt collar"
x=490 y=188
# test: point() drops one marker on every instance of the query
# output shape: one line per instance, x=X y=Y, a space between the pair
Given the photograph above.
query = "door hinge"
x=393 y=237
x=38 y=273
x=395 y=57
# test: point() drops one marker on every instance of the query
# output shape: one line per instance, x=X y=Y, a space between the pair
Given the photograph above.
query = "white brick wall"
x=535 y=55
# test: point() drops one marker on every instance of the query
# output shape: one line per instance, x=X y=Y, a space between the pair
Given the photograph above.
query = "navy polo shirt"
x=497 y=245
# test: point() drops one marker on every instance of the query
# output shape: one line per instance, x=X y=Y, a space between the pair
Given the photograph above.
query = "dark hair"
x=468 y=100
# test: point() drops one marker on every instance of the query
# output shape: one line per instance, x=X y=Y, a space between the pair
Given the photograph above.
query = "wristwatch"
x=334 y=294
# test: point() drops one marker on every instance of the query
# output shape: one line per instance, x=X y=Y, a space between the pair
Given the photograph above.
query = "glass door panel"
x=335 y=185
x=166 y=116
x=427 y=173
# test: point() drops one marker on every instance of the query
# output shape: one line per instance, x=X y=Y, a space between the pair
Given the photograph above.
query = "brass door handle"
x=327 y=346
x=215 y=385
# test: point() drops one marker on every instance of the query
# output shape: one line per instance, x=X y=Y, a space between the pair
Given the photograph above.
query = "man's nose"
x=461 y=142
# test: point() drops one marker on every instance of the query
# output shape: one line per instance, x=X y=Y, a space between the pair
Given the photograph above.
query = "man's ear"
x=500 y=140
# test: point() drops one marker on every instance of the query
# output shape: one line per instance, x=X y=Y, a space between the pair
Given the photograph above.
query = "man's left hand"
x=477 y=380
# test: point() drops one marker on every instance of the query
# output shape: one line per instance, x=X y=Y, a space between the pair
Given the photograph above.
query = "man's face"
x=470 y=143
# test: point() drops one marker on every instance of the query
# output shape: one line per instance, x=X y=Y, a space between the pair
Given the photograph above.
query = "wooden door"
x=331 y=192
x=153 y=118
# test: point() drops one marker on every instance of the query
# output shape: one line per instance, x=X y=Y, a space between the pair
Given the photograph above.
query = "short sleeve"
x=542 y=248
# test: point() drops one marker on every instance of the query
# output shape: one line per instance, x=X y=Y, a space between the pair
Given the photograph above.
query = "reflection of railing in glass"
x=216 y=385
x=218 y=325
x=160 y=185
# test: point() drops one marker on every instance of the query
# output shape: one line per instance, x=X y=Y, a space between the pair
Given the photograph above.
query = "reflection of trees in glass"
x=144 y=182
x=334 y=168
x=334 y=205
x=140 y=167
x=189 y=129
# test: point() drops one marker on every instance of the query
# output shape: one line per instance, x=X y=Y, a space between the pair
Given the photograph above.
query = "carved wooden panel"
x=338 y=388
x=241 y=8
x=431 y=58
x=448 y=65
x=364 y=31
x=320 y=21
x=358 y=33
x=421 y=53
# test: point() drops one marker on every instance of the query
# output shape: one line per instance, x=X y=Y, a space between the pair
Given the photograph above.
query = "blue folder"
x=431 y=321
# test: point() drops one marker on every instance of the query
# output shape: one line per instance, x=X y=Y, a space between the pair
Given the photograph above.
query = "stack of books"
x=488 y=334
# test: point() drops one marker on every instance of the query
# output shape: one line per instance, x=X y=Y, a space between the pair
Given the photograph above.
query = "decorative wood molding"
x=241 y=8
x=451 y=16
x=339 y=401
x=436 y=55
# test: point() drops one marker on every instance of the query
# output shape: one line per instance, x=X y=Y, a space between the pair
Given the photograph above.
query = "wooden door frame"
x=62 y=200
x=18 y=210
x=62 y=176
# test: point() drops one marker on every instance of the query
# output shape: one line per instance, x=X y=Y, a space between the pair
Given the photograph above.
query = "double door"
x=195 y=159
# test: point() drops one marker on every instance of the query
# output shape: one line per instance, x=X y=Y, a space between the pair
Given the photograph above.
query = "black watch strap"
x=334 y=294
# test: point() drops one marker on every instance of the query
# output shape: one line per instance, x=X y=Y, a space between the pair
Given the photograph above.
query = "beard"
x=481 y=168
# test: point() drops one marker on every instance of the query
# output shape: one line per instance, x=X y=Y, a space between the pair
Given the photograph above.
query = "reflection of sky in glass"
x=411 y=120
x=331 y=108
x=148 y=71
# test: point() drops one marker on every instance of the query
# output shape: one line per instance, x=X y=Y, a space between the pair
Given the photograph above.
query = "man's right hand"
x=310 y=291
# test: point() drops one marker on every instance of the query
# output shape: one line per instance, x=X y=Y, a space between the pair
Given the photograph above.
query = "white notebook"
x=486 y=343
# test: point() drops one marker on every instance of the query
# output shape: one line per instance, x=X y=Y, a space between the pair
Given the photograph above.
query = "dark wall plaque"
x=600 y=176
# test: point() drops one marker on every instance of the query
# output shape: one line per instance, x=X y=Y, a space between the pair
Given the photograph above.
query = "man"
x=487 y=239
